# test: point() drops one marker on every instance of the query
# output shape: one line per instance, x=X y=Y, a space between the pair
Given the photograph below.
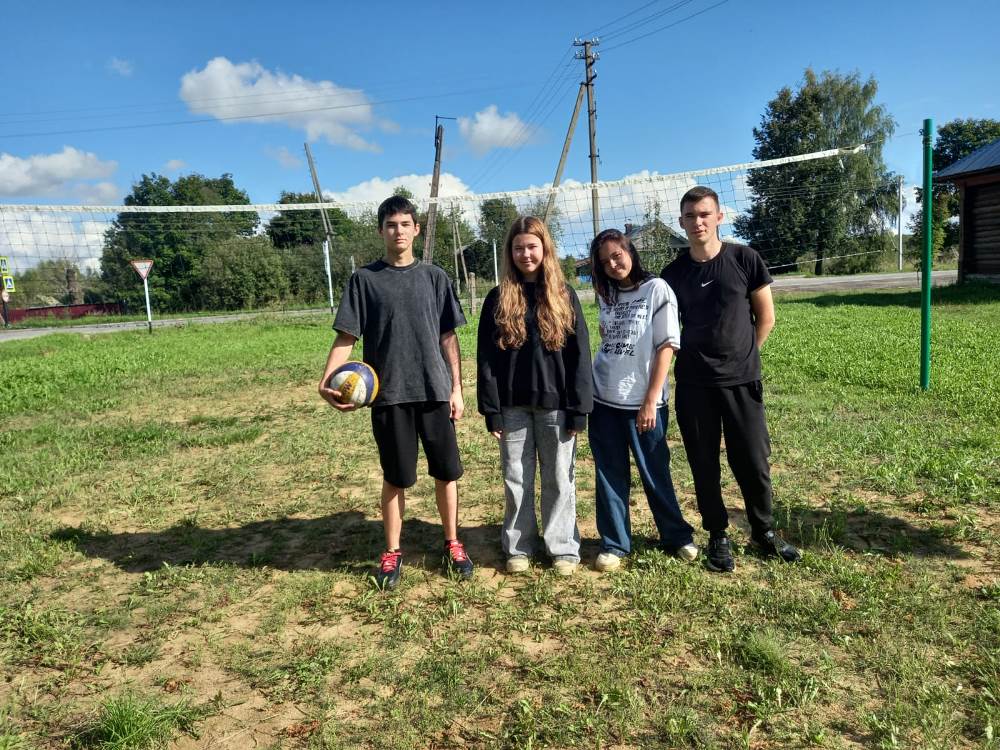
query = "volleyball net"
x=820 y=211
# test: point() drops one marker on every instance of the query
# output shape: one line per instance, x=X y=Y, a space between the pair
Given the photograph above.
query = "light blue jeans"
x=538 y=437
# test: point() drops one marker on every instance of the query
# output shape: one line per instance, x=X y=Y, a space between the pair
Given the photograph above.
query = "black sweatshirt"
x=533 y=375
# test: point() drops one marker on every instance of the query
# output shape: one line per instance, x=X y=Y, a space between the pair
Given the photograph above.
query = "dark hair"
x=602 y=284
x=698 y=192
x=396 y=204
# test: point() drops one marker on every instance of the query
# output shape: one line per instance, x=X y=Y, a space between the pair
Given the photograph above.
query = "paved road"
x=909 y=280
x=14 y=334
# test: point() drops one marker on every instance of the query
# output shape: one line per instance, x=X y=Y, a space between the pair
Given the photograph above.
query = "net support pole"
x=329 y=275
x=899 y=221
x=496 y=276
x=925 y=283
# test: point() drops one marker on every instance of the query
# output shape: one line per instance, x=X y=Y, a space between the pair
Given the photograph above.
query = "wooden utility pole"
x=589 y=57
x=433 y=208
x=565 y=152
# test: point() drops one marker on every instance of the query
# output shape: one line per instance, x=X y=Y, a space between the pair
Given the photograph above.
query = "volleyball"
x=357 y=383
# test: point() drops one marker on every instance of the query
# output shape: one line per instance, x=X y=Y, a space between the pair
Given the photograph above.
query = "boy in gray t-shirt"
x=406 y=313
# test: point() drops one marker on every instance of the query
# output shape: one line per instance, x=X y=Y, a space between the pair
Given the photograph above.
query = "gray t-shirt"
x=400 y=313
x=633 y=329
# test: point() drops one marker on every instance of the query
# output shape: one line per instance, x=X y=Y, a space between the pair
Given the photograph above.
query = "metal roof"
x=983 y=158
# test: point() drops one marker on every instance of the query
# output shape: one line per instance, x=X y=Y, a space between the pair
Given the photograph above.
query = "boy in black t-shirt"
x=405 y=312
x=726 y=313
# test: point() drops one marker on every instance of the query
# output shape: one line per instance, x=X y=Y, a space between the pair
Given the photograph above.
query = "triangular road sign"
x=142 y=267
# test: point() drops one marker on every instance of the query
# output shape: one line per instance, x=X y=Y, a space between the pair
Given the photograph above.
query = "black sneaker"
x=456 y=560
x=390 y=567
x=772 y=545
x=719 y=555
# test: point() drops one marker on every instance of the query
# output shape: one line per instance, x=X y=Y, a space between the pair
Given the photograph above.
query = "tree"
x=175 y=241
x=495 y=217
x=827 y=207
x=291 y=228
x=240 y=273
x=48 y=283
x=955 y=140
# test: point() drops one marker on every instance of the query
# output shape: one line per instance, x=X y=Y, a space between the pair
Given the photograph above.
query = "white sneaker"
x=518 y=564
x=687 y=553
x=607 y=561
x=564 y=567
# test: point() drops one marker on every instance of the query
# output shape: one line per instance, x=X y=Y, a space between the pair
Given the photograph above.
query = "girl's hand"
x=645 y=420
x=497 y=434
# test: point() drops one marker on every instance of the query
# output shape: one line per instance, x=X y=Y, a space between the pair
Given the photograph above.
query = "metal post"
x=899 y=223
x=329 y=275
x=149 y=310
x=565 y=152
x=496 y=276
x=925 y=284
x=327 y=227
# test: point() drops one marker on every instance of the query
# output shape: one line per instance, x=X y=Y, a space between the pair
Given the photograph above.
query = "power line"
x=596 y=31
x=664 y=28
x=253 y=116
x=343 y=90
x=518 y=135
x=646 y=20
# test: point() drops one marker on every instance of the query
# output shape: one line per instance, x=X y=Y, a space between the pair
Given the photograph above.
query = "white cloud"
x=47 y=174
x=322 y=109
x=174 y=165
x=98 y=194
x=124 y=68
x=284 y=157
x=376 y=190
x=488 y=129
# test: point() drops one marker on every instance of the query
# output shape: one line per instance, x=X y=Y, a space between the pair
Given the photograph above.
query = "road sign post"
x=142 y=267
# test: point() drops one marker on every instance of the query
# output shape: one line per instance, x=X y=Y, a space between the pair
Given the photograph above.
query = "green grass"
x=188 y=530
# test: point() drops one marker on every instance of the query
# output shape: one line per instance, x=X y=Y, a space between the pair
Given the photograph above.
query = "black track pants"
x=704 y=415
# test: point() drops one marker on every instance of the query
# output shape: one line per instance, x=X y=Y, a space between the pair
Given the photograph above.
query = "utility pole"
x=565 y=152
x=431 y=227
x=589 y=57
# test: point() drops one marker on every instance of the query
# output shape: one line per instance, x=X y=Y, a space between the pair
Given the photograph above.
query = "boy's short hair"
x=698 y=192
x=396 y=204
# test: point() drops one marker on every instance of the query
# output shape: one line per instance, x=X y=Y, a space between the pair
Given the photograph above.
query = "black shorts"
x=396 y=428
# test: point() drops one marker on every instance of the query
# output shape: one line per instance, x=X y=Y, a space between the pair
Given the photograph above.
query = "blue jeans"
x=612 y=435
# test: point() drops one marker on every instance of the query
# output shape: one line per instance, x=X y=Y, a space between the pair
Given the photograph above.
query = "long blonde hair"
x=553 y=310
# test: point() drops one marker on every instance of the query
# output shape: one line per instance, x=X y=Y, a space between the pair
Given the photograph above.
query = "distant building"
x=977 y=178
x=647 y=238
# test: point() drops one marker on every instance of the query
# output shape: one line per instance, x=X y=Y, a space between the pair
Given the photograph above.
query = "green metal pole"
x=925 y=284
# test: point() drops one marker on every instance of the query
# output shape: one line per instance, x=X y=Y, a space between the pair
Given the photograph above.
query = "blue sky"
x=682 y=98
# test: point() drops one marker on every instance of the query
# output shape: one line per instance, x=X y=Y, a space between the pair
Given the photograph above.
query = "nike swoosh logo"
x=707 y=283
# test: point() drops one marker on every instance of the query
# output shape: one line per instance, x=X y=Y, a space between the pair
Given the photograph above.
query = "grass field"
x=187 y=532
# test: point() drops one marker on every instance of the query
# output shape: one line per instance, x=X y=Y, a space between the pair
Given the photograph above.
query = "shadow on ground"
x=342 y=541
x=349 y=541
x=869 y=532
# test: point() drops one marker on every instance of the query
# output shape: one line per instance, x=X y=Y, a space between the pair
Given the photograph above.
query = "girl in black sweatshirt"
x=535 y=390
